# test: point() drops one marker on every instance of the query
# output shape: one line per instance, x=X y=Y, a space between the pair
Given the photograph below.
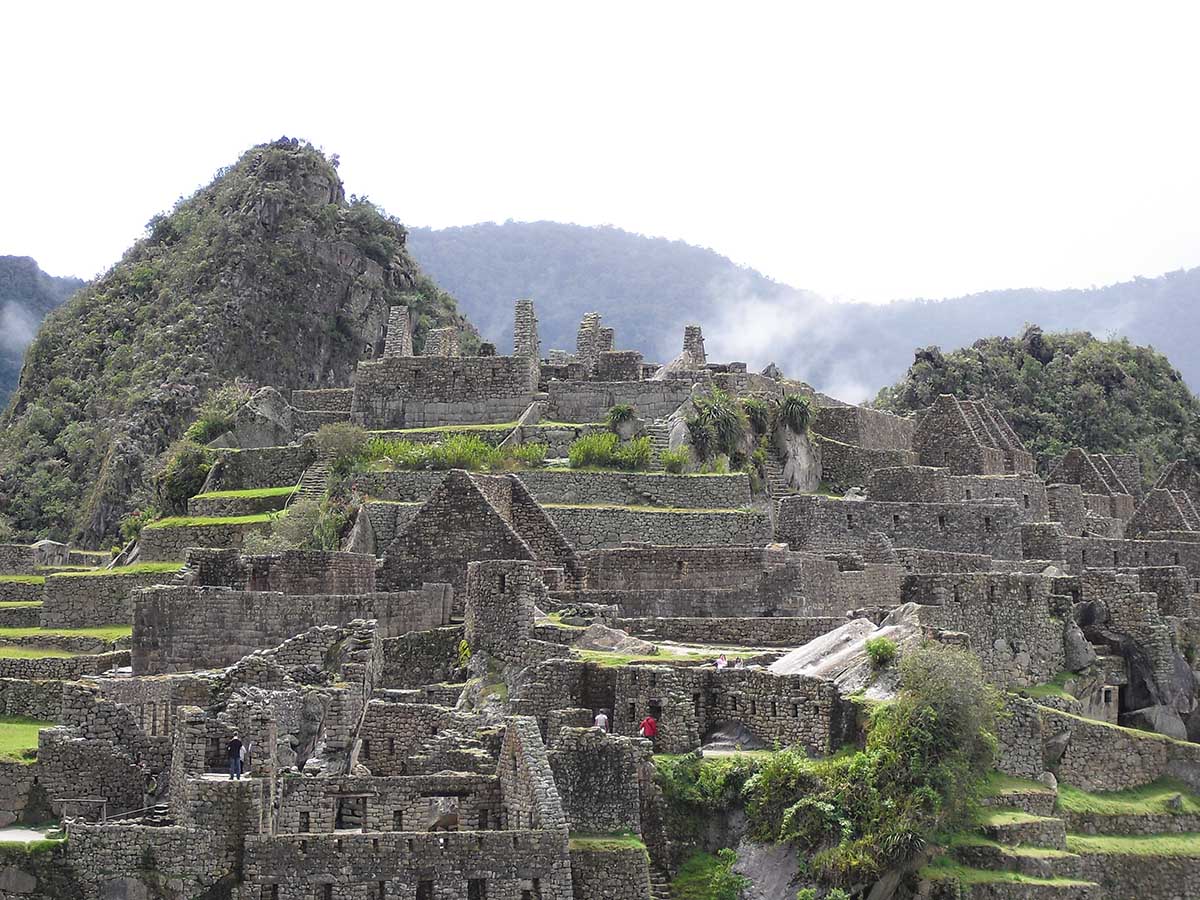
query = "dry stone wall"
x=81 y=601
x=588 y=527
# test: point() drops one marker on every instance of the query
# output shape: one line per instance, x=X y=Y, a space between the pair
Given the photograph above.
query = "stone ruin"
x=418 y=705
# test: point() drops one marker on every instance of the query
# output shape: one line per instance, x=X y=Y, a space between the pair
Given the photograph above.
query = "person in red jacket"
x=649 y=728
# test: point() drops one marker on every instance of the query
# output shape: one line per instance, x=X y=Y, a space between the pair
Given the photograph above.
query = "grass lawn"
x=201 y=521
x=434 y=429
x=17 y=604
x=1053 y=688
x=103 y=632
x=24 y=651
x=944 y=868
x=1186 y=844
x=23 y=579
x=997 y=784
x=248 y=493
x=19 y=737
x=147 y=568
x=1153 y=798
x=607 y=842
x=610 y=658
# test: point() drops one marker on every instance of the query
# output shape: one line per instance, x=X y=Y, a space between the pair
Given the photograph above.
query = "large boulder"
x=266 y=420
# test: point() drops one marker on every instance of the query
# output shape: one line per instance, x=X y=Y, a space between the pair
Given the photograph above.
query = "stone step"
x=660 y=884
x=1033 y=801
x=1036 y=862
x=1014 y=828
x=312 y=483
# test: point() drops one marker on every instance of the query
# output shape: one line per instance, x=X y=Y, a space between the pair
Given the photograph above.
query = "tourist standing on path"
x=601 y=721
x=649 y=728
x=234 y=752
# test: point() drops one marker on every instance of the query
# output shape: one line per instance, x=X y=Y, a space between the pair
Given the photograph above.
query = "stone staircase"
x=660 y=439
x=313 y=482
x=1020 y=850
x=660 y=884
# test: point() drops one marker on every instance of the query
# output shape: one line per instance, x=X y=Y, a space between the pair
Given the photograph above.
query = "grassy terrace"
x=998 y=784
x=203 y=521
x=19 y=604
x=607 y=842
x=103 y=633
x=248 y=493
x=19 y=738
x=22 y=579
x=24 y=651
x=611 y=658
x=1159 y=845
x=450 y=429
x=1056 y=687
x=148 y=568
x=947 y=869
x=1151 y=799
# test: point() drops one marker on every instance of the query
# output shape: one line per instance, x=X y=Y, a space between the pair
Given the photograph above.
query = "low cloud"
x=17 y=328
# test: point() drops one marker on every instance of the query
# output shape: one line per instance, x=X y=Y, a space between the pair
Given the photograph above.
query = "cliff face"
x=268 y=275
x=26 y=295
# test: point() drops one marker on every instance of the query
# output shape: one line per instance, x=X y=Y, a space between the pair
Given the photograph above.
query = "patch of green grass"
x=23 y=579
x=248 y=493
x=615 y=841
x=103 y=632
x=147 y=568
x=1056 y=687
x=1006 y=817
x=997 y=784
x=1174 y=845
x=26 y=651
x=52 y=569
x=18 y=604
x=1135 y=733
x=19 y=737
x=945 y=869
x=203 y=521
x=611 y=658
x=695 y=876
x=1149 y=799
x=974 y=839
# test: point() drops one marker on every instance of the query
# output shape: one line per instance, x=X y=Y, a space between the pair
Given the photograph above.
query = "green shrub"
x=461 y=451
x=132 y=524
x=926 y=755
x=701 y=436
x=635 y=456
x=596 y=449
x=527 y=456
x=618 y=415
x=463 y=654
x=342 y=444
x=180 y=475
x=216 y=414
x=795 y=413
x=718 y=465
x=881 y=650
x=758 y=414
x=458 y=451
x=724 y=416
x=675 y=461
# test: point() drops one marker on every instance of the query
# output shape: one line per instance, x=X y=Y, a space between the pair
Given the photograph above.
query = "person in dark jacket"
x=234 y=752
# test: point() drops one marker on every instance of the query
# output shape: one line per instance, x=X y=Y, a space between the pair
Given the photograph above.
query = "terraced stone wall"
x=264 y=467
x=290 y=571
x=610 y=874
x=588 y=401
x=844 y=466
x=864 y=427
x=173 y=627
x=82 y=601
x=595 y=527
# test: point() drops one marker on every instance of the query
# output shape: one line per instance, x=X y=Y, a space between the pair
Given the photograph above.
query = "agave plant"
x=795 y=413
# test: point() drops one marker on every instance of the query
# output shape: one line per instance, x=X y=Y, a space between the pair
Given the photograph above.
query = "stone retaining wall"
x=62 y=668
x=236 y=506
x=82 y=601
x=174 y=627
x=588 y=401
x=789 y=631
x=262 y=467
x=289 y=571
x=17 y=559
x=844 y=466
x=40 y=699
x=867 y=428
x=617 y=874
x=593 y=527
x=20 y=592
x=171 y=543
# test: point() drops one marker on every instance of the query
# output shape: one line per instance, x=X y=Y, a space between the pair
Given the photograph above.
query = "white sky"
x=865 y=151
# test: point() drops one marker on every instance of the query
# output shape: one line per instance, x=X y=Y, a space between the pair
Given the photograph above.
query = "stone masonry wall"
x=241 y=470
x=171 y=543
x=174 y=627
x=868 y=428
x=844 y=466
x=588 y=401
x=81 y=601
x=594 y=527
x=290 y=571
x=17 y=559
x=819 y=523
x=610 y=874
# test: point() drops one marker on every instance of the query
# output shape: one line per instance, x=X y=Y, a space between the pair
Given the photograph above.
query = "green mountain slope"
x=1065 y=390
x=268 y=275
x=26 y=295
x=647 y=288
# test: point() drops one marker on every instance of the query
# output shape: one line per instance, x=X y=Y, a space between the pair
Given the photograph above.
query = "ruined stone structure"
x=418 y=705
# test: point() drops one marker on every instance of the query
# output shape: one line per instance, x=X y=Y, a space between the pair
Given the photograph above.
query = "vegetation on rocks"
x=605 y=450
x=856 y=815
x=1064 y=390
x=268 y=274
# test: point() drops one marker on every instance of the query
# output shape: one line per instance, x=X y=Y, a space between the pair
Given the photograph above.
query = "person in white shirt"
x=601 y=721
x=722 y=662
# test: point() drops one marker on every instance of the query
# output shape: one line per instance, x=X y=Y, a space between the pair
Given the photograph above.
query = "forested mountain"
x=1065 y=390
x=647 y=288
x=268 y=275
x=26 y=295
